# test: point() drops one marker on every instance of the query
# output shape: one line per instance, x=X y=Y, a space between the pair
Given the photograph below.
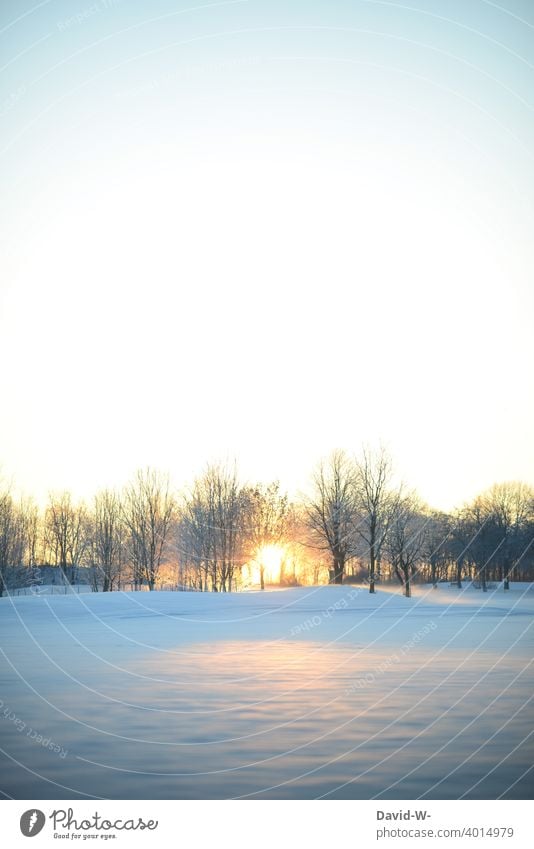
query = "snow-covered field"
x=301 y=693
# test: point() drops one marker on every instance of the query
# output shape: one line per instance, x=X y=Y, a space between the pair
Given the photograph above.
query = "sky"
x=263 y=230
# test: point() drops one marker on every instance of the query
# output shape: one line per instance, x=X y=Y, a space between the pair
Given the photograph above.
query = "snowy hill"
x=299 y=693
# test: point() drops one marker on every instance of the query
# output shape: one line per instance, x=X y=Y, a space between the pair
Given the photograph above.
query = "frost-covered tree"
x=66 y=540
x=148 y=512
x=492 y=527
x=483 y=539
x=375 y=504
x=213 y=524
x=332 y=511
x=436 y=551
x=509 y=506
x=11 y=544
x=17 y=542
x=108 y=540
x=405 y=539
x=266 y=521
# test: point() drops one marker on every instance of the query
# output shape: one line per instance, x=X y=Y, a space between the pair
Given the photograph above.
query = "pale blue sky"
x=264 y=230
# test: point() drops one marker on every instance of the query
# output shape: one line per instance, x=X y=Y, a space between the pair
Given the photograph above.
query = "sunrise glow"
x=269 y=559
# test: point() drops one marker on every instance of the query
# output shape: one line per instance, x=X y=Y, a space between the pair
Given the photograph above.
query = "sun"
x=267 y=564
x=271 y=557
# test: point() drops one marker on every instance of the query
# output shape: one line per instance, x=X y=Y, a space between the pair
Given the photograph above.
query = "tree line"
x=354 y=524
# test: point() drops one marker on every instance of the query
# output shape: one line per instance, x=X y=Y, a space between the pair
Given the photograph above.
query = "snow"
x=50 y=589
x=302 y=693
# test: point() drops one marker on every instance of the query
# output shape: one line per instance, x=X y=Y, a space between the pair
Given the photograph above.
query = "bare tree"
x=332 y=511
x=460 y=540
x=479 y=528
x=108 y=539
x=510 y=506
x=492 y=527
x=376 y=504
x=213 y=526
x=11 y=539
x=267 y=519
x=148 y=512
x=436 y=548
x=31 y=526
x=405 y=539
x=65 y=534
x=192 y=539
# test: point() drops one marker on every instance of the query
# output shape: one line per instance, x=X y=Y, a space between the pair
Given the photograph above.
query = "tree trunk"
x=507 y=572
x=372 y=568
x=339 y=568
